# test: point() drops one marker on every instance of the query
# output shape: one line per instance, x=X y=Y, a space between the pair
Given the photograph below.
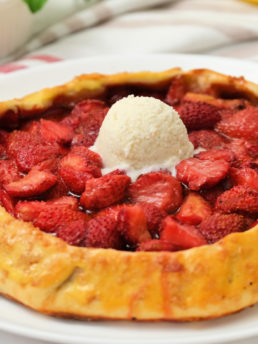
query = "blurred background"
x=33 y=32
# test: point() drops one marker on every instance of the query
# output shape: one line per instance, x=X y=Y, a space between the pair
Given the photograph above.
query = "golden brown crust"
x=50 y=276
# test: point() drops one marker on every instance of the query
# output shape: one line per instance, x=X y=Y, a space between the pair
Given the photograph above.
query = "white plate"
x=17 y=319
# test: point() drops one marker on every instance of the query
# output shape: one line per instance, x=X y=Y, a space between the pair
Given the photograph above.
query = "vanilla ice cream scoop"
x=142 y=134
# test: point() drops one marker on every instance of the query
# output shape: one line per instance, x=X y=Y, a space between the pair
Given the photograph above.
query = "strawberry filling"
x=49 y=176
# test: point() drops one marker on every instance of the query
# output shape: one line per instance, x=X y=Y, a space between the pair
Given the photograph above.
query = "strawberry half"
x=217 y=226
x=28 y=149
x=50 y=219
x=156 y=245
x=101 y=232
x=73 y=233
x=216 y=154
x=8 y=172
x=55 y=132
x=158 y=188
x=244 y=176
x=181 y=235
x=154 y=216
x=75 y=170
x=243 y=124
x=194 y=209
x=197 y=173
x=132 y=224
x=198 y=115
x=207 y=139
x=34 y=183
x=238 y=199
x=104 y=191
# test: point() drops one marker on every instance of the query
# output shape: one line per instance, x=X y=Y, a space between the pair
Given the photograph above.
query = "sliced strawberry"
x=60 y=189
x=52 y=218
x=132 y=224
x=216 y=154
x=239 y=149
x=73 y=233
x=158 y=188
x=48 y=165
x=244 y=176
x=66 y=201
x=154 y=216
x=28 y=150
x=156 y=245
x=86 y=118
x=194 y=209
x=104 y=191
x=55 y=132
x=217 y=226
x=101 y=232
x=197 y=173
x=8 y=172
x=238 y=199
x=181 y=235
x=176 y=91
x=198 y=115
x=7 y=202
x=29 y=210
x=92 y=157
x=75 y=170
x=243 y=124
x=33 y=184
x=112 y=211
x=207 y=139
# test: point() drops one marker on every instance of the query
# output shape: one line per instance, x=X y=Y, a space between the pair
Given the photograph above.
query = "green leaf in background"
x=35 y=5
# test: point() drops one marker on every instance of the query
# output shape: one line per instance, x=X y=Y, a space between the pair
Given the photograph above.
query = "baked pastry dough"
x=46 y=274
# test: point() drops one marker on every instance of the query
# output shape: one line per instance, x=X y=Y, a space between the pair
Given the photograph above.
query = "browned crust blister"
x=46 y=274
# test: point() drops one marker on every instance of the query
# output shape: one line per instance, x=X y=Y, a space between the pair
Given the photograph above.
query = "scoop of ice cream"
x=142 y=134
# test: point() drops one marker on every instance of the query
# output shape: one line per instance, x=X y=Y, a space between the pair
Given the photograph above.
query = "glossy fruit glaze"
x=49 y=176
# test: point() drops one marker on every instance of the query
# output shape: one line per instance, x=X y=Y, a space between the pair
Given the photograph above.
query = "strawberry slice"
x=243 y=124
x=75 y=170
x=104 y=191
x=176 y=91
x=7 y=202
x=86 y=118
x=216 y=154
x=240 y=151
x=194 y=209
x=73 y=233
x=92 y=157
x=181 y=235
x=101 y=232
x=8 y=172
x=49 y=165
x=33 y=184
x=55 y=132
x=29 y=210
x=52 y=218
x=211 y=195
x=244 y=176
x=154 y=216
x=197 y=173
x=207 y=139
x=156 y=245
x=198 y=115
x=158 y=188
x=217 y=226
x=238 y=199
x=28 y=150
x=132 y=224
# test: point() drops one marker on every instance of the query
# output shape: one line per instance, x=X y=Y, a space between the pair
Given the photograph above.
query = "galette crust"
x=46 y=274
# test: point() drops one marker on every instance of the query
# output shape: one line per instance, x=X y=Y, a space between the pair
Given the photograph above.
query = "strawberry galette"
x=79 y=241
